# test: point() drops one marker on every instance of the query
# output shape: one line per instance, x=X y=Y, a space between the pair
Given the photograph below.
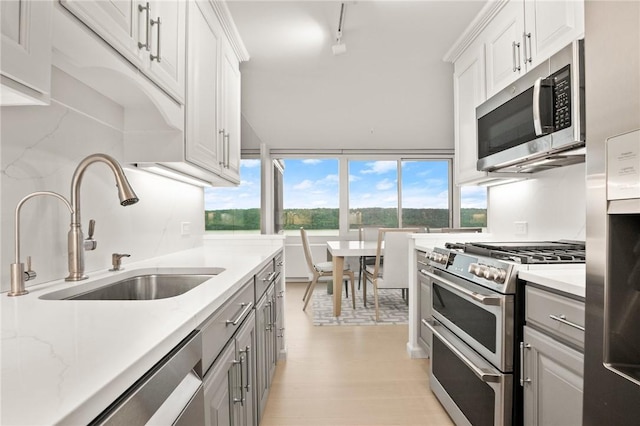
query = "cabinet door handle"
x=247 y=352
x=221 y=162
x=157 y=56
x=528 y=54
x=147 y=32
x=563 y=319
x=516 y=63
x=523 y=346
x=226 y=139
x=244 y=308
x=270 y=277
x=239 y=363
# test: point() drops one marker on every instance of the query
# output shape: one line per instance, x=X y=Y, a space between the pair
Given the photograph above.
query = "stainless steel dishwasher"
x=169 y=394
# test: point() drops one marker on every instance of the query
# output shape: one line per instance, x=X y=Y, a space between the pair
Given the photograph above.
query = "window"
x=235 y=209
x=425 y=194
x=387 y=193
x=311 y=194
x=473 y=206
x=373 y=193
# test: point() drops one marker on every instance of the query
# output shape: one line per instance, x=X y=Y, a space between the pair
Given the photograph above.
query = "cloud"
x=305 y=184
x=249 y=164
x=311 y=161
x=381 y=167
x=384 y=185
x=354 y=178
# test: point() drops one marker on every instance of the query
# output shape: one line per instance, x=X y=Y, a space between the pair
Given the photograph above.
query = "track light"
x=339 y=48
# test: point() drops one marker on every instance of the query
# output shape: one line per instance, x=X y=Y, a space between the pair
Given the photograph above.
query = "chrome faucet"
x=18 y=274
x=77 y=244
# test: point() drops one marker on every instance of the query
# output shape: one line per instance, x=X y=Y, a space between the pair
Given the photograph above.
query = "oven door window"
x=507 y=126
x=478 y=323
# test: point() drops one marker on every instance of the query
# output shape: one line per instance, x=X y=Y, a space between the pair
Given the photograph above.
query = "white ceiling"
x=390 y=90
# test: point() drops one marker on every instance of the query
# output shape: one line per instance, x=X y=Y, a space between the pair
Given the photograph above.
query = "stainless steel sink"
x=149 y=286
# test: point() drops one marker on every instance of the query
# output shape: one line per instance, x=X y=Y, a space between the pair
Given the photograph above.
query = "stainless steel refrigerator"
x=612 y=346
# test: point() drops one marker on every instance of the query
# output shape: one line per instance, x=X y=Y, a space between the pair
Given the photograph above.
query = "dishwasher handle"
x=156 y=394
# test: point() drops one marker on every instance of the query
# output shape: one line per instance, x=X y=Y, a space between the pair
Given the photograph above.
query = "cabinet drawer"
x=558 y=315
x=264 y=278
x=217 y=330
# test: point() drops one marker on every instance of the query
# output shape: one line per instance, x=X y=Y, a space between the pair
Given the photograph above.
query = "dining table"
x=339 y=250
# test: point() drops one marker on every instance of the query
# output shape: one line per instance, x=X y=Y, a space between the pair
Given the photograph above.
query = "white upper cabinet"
x=504 y=47
x=167 y=49
x=507 y=39
x=151 y=35
x=230 y=72
x=205 y=34
x=469 y=92
x=26 y=52
x=525 y=33
x=550 y=26
x=212 y=140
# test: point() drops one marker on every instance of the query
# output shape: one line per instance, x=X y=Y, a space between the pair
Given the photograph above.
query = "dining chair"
x=322 y=272
x=366 y=233
x=395 y=272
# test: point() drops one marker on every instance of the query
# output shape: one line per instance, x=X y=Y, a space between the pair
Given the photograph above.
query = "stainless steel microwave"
x=536 y=123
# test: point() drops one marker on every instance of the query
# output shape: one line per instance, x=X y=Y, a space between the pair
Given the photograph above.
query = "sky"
x=313 y=183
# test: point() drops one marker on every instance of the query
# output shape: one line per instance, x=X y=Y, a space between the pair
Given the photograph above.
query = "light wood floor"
x=348 y=375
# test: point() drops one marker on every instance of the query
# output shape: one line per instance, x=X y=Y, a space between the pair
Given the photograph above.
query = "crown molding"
x=482 y=19
x=230 y=29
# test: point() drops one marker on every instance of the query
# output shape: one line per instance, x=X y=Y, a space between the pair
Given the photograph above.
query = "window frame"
x=454 y=201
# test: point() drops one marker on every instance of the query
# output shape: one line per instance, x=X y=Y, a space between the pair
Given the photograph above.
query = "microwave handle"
x=540 y=127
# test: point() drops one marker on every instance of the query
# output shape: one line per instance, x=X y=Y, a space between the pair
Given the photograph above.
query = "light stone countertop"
x=64 y=362
x=571 y=280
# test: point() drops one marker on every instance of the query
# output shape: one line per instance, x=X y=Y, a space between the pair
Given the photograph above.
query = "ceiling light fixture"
x=340 y=48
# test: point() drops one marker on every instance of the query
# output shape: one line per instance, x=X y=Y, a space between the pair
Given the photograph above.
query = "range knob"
x=438 y=258
x=496 y=274
x=478 y=270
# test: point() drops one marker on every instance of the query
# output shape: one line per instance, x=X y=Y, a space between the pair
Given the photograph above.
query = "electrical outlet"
x=185 y=229
x=521 y=228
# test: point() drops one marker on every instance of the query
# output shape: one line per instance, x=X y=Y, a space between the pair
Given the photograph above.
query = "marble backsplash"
x=40 y=149
x=552 y=203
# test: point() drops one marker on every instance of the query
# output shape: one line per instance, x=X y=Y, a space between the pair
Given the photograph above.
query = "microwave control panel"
x=562 y=99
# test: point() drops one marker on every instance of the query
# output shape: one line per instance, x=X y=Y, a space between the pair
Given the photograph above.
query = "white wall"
x=41 y=147
x=553 y=203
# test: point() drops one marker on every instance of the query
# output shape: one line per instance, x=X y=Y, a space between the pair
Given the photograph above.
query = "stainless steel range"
x=477 y=318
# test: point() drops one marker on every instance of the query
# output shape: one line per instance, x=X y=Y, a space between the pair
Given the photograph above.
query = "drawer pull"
x=270 y=277
x=563 y=319
x=244 y=308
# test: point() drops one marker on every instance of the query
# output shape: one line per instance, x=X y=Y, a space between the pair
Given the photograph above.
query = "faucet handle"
x=29 y=274
x=116 y=261
x=90 y=243
x=92 y=228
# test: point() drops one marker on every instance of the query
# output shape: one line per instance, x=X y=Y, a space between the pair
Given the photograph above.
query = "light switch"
x=185 y=229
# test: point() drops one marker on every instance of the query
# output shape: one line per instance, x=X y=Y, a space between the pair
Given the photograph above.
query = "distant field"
x=249 y=219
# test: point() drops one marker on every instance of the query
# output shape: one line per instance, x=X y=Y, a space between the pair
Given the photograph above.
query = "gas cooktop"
x=527 y=252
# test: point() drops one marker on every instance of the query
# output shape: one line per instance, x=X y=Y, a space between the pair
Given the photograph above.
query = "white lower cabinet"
x=553 y=381
x=26 y=52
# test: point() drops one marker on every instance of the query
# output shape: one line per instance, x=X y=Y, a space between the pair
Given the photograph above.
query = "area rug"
x=393 y=308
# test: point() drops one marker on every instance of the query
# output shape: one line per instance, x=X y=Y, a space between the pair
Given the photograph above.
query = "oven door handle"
x=485 y=300
x=482 y=374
